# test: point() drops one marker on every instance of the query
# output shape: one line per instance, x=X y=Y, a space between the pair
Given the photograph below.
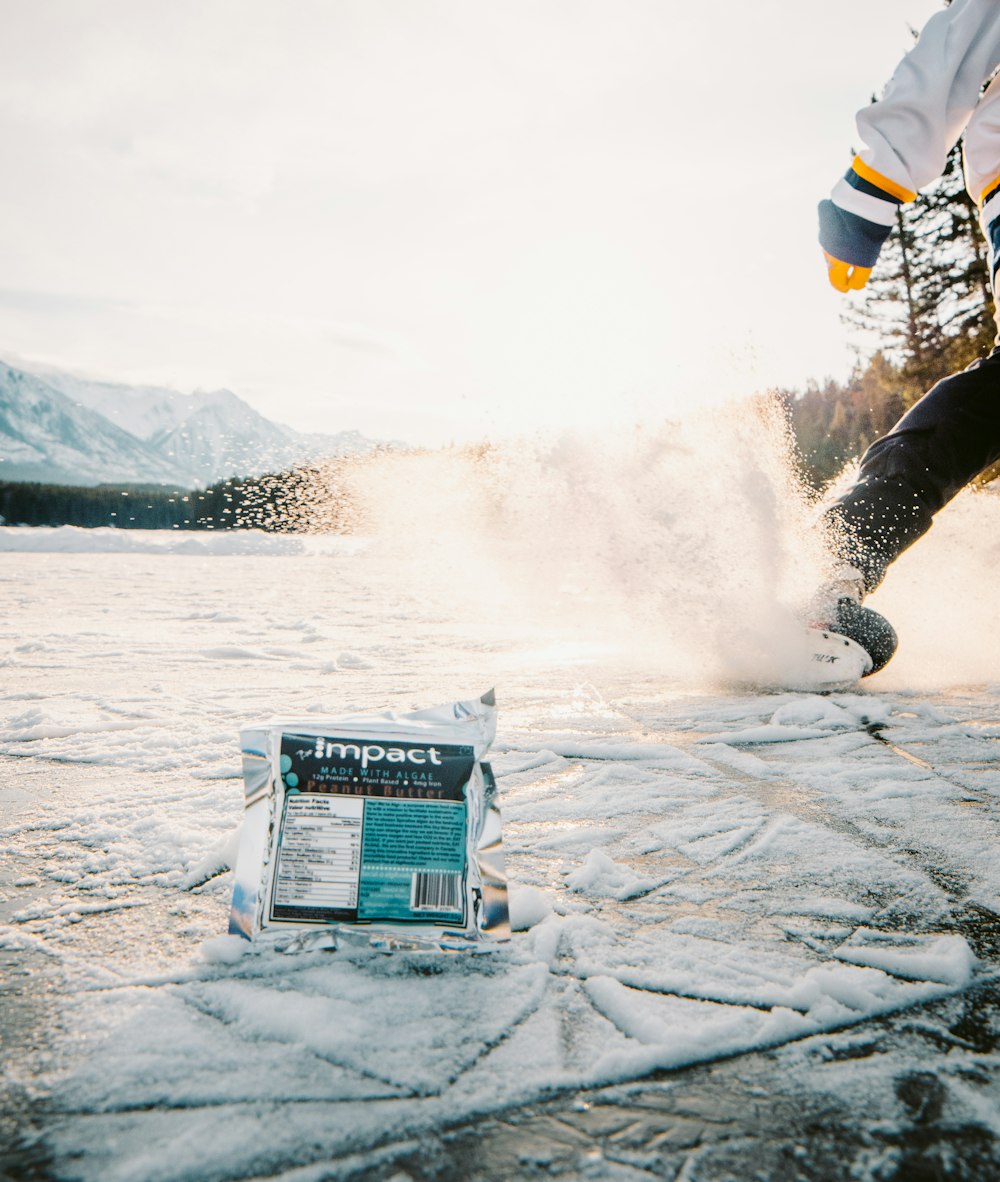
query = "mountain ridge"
x=56 y=427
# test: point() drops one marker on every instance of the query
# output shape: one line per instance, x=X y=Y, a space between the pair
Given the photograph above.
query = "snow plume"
x=943 y=598
x=684 y=546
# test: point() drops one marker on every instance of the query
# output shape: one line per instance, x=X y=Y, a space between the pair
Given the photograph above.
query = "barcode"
x=435 y=890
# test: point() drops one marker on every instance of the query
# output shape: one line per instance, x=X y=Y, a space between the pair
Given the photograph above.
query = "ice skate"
x=847 y=641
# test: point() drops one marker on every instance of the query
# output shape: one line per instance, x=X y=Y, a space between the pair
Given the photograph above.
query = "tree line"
x=313 y=497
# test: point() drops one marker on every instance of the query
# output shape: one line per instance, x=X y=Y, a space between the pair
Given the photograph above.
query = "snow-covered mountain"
x=222 y=434
x=46 y=436
x=58 y=427
x=143 y=411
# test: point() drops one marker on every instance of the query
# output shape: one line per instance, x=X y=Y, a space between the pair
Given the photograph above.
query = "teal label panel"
x=413 y=861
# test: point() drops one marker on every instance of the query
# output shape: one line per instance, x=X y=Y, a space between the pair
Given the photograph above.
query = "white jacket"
x=934 y=95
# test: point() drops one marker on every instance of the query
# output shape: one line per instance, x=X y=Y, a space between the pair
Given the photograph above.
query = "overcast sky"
x=432 y=219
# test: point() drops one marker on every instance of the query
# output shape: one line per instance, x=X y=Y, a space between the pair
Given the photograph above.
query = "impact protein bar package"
x=375 y=829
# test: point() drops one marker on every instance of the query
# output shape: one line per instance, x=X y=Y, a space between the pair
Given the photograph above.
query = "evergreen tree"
x=928 y=302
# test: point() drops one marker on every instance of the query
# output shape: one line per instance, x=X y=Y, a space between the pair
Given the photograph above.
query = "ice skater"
x=953 y=432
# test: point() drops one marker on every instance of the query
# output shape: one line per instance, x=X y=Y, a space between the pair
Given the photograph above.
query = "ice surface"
x=697 y=872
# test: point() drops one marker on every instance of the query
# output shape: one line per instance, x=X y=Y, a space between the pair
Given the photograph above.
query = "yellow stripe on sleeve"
x=883 y=182
x=989 y=189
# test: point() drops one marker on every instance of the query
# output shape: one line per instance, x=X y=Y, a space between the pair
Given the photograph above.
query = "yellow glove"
x=856 y=221
x=845 y=276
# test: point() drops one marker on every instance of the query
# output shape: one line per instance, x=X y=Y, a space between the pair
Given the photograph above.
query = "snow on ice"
x=697 y=870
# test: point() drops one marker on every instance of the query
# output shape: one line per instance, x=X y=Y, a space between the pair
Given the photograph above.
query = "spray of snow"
x=943 y=598
x=688 y=549
x=691 y=549
x=685 y=547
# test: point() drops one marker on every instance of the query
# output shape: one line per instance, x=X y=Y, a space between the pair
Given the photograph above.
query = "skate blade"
x=809 y=660
x=826 y=661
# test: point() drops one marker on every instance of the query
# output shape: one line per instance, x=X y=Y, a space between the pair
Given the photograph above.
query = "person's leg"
x=935 y=449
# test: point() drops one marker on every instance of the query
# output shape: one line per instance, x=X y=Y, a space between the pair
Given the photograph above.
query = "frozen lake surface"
x=758 y=932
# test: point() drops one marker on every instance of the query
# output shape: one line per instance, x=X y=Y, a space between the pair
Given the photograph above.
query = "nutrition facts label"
x=319 y=860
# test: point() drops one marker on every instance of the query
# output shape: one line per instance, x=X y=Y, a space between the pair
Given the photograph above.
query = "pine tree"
x=957 y=269
x=929 y=302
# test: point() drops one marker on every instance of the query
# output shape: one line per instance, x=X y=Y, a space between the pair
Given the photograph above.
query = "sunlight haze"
x=432 y=220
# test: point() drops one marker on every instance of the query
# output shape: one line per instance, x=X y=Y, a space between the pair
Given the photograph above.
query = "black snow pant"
x=935 y=449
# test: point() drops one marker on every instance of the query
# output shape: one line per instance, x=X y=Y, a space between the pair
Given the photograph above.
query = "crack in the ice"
x=947 y=882
x=206 y=1010
x=209 y=1105
x=647 y=987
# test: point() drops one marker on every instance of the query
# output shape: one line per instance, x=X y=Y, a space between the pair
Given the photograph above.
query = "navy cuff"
x=850 y=238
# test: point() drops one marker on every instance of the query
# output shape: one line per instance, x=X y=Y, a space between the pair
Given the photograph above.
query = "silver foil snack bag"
x=378 y=829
